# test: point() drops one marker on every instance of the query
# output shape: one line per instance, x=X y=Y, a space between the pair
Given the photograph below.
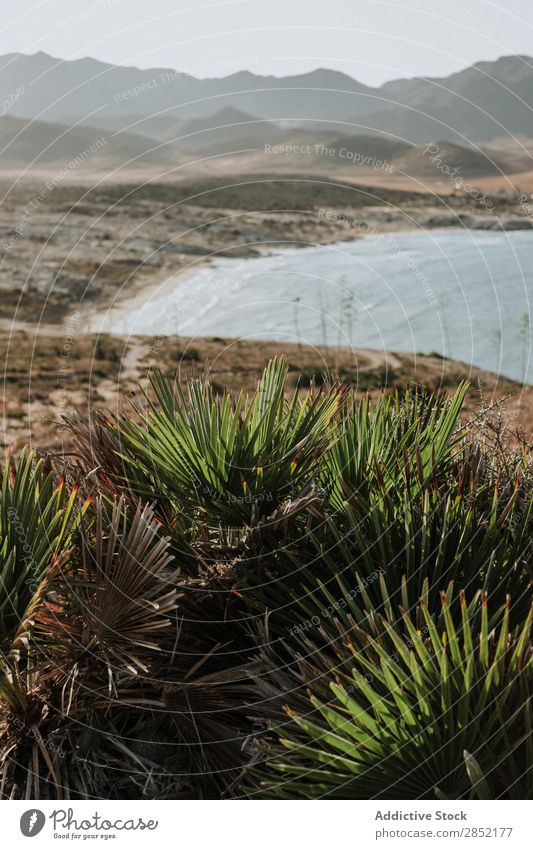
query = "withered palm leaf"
x=212 y=728
x=128 y=594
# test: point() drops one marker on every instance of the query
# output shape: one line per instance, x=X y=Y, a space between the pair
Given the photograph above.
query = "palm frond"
x=416 y=712
x=225 y=459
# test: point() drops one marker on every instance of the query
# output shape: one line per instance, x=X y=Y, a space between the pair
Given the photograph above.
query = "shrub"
x=405 y=496
x=424 y=709
x=356 y=530
x=190 y=353
x=381 y=377
x=126 y=695
x=223 y=459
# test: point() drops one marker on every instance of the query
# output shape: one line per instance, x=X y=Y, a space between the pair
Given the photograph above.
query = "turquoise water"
x=463 y=294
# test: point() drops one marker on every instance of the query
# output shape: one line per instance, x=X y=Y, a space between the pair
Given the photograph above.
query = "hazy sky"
x=371 y=40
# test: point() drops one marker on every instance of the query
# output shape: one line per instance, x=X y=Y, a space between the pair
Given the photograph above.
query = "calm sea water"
x=465 y=295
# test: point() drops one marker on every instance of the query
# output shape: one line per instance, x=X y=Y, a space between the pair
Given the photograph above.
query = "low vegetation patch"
x=268 y=595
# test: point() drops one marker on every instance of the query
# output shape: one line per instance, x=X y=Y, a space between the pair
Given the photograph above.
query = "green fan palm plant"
x=228 y=459
x=130 y=663
x=36 y=527
x=334 y=567
x=399 y=507
x=38 y=518
x=37 y=522
x=405 y=439
x=422 y=709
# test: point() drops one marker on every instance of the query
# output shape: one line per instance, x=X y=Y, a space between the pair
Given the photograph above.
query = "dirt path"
x=112 y=393
x=130 y=369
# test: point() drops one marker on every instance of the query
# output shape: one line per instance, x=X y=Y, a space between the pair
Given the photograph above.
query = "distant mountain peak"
x=228 y=116
x=231 y=115
x=479 y=103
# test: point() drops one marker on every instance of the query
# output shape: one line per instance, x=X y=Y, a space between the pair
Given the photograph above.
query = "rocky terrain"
x=74 y=247
x=70 y=251
x=50 y=375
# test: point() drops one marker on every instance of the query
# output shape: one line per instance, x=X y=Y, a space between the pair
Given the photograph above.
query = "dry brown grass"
x=48 y=376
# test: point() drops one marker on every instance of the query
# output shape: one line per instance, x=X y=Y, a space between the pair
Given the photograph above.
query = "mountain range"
x=486 y=103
